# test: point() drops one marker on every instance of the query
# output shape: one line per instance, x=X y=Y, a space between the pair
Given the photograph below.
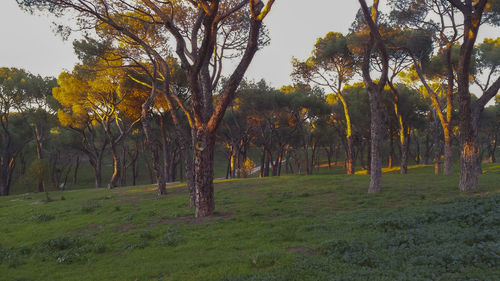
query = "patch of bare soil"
x=302 y=250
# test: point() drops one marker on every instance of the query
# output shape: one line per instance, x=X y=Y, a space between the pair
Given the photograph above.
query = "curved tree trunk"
x=350 y=156
x=350 y=147
x=115 y=177
x=6 y=170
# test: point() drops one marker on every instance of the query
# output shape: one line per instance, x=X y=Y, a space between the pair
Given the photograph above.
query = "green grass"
x=320 y=227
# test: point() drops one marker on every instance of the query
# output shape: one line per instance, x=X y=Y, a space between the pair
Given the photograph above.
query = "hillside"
x=320 y=227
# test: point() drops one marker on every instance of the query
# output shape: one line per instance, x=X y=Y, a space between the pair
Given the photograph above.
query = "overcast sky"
x=29 y=42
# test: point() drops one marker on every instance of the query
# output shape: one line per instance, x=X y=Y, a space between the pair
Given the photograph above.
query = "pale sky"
x=29 y=42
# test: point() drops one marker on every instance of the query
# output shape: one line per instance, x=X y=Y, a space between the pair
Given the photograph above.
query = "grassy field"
x=320 y=227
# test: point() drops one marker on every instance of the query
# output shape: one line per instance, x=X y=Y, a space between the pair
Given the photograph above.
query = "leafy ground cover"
x=321 y=227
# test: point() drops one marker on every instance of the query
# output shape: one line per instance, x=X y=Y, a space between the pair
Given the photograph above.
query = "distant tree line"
x=150 y=82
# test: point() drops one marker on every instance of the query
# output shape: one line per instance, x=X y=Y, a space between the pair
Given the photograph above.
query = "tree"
x=18 y=92
x=375 y=43
x=207 y=27
x=436 y=21
x=487 y=63
x=105 y=99
x=489 y=131
x=331 y=66
x=474 y=15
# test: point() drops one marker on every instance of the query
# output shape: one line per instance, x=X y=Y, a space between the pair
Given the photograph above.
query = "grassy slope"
x=290 y=228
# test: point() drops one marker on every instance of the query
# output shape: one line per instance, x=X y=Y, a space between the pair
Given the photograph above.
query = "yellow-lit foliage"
x=97 y=96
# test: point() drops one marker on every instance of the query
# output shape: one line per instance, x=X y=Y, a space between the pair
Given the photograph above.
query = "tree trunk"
x=361 y=155
x=492 y=146
x=391 y=148
x=350 y=156
x=376 y=129
x=164 y=149
x=306 y=160
x=155 y=158
x=350 y=146
x=97 y=173
x=113 y=182
x=329 y=156
x=6 y=170
x=204 y=173
x=427 y=149
x=134 y=171
x=123 y=177
x=468 y=154
x=437 y=143
x=448 y=153
x=228 y=166
x=404 y=153
x=77 y=165
x=417 y=150
x=262 y=161
x=266 y=165
x=280 y=161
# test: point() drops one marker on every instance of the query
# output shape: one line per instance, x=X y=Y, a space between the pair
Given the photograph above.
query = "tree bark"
x=374 y=92
x=448 y=152
x=391 y=147
x=203 y=172
x=350 y=156
x=97 y=173
x=115 y=177
x=77 y=165
x=427 y=149
x=7 y=163
x=376 y=129
x=155 y=158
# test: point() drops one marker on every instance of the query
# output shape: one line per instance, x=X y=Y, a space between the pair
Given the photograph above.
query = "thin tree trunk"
x=417 y=150
x=266 y=166
x=123 y=176
x=165 y=150
x=492 y=146
x=391 y=147
x=77 y=165
x=155 y=159
x=427 y=149
x=7 y=164
x=404 y=153
x=350 y=156
x=361 y=155
x=228 y=166
x=448 y=152
x=306 y=160
x=97 y=173
x=113 y=182
x=262 y=161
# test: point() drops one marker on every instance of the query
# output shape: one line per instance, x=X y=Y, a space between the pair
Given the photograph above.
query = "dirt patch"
x=126 y=227
x=301 y=250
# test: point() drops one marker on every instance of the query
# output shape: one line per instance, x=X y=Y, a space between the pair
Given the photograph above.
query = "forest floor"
x=319 y=227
